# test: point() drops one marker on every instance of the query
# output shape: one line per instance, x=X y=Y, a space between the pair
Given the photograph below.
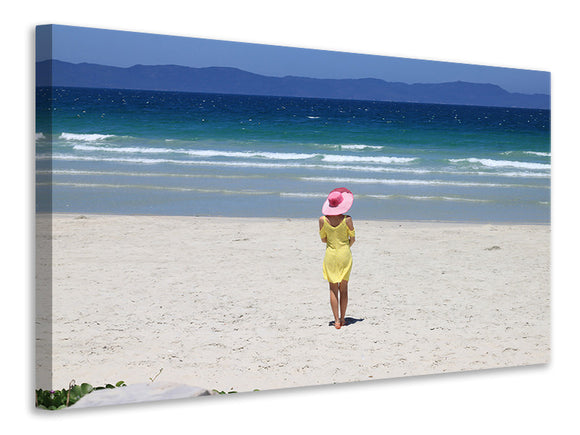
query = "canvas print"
x=217 y=217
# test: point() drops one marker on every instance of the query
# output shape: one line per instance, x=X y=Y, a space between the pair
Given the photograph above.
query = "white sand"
x=233 y=303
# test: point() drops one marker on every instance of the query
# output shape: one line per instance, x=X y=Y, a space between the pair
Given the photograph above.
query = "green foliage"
x=59 y=399
x=223 y=392
x=229 y=392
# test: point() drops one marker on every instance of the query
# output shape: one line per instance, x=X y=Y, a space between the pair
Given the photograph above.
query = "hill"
x=225 y=80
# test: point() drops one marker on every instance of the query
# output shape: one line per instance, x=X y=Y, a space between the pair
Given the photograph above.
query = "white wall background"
x=530 y=35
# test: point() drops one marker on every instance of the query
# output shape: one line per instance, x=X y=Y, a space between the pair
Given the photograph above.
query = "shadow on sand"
x=347 y=321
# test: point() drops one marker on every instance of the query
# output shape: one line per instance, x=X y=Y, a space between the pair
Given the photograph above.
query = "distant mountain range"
x=225 y=80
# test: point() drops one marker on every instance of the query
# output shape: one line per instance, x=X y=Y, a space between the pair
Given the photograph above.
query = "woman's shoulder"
x=349 y=222
x=321 y=221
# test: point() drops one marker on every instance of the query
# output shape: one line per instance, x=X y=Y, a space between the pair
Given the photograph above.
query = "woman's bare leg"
x=334 y=304
x=343 y=300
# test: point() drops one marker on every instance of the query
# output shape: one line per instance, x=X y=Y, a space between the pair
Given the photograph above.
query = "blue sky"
x=123 y=49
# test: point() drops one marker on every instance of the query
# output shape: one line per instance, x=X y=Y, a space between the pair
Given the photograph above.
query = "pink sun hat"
x=339 y=201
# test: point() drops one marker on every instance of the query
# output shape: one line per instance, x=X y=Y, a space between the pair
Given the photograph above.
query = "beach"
x=237 y=304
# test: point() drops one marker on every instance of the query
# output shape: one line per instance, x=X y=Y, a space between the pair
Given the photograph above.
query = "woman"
x=337 y=231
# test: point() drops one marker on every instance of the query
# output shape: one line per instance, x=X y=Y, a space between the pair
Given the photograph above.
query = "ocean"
x=171 y=153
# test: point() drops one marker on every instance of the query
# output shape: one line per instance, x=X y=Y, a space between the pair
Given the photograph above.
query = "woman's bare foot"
x=337 y=324
x=342 y=322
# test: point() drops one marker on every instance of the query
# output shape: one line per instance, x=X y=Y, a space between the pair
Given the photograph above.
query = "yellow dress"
x=338 y=258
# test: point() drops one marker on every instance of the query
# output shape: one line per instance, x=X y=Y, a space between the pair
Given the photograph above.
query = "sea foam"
x=246 y=164
x=503 y=163
x=209 y=153
x=360 y=147
x=197 y=153
x=85 y=137
x=370 y=159
x=535 y=153
x=272 y=164
x=404 y=182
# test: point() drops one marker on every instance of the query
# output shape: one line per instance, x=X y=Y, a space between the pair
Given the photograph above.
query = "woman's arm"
x=320 y=225
x=350 y=226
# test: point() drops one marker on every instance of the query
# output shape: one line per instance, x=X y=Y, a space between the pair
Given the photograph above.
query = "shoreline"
x=394 y=221
x=240 y=303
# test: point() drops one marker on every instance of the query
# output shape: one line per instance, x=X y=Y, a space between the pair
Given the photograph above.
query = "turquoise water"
x=169 y=153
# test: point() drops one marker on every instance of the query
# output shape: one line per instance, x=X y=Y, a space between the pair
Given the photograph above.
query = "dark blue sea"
x=169 y=153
